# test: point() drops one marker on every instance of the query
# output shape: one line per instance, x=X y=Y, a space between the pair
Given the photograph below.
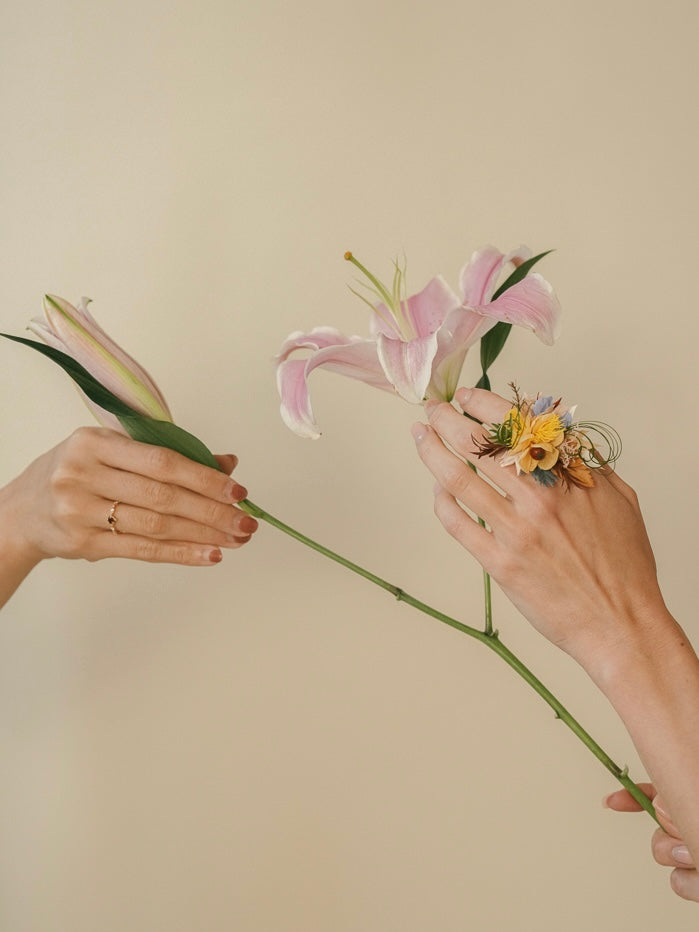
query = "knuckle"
x=146 y=550
x=213 y=514
x=160 y=460
x=161 y=495
x=450 y=518
x=154 y=523
x=458 y=478
x=182 y=555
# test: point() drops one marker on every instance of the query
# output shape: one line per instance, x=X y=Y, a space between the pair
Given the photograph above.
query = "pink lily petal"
x=462 y=329
x=424 y=312
x=408 y=364
x=530 y=303
x=90 y=346
x=91 y=325
x=105 y=418
x=478 y=278
x=349 y=356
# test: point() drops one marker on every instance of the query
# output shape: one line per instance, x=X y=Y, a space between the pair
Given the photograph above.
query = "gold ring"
x=112 y=519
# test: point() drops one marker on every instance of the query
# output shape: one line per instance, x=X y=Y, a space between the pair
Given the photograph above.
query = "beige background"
x=273 y=744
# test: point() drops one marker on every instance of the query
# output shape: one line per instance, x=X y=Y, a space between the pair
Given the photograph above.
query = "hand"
x=170 y=509
x=667 y=846
x=577 y=562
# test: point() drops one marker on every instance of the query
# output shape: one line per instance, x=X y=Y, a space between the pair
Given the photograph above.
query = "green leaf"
x=493 y=342
x=518 y=274
x=138 y=426
x=167 y=434
x=484 y=382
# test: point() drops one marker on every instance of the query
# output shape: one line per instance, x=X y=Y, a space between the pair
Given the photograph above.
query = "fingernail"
x=681 y=854
x=463 y=396
x=659 y=807
x=419 y=432
x=236 y=492
x=215 y=556
x=248 y=525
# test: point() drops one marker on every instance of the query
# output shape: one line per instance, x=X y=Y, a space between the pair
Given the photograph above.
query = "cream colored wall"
x=273 y=744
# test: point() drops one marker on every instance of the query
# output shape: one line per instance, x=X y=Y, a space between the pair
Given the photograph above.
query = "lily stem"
x=490 y=639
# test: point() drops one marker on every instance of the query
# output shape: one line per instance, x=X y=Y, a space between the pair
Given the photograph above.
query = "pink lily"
x=74 y=331
x=418 y=344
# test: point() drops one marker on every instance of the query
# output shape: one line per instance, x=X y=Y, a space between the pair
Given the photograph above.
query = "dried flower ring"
x=540 y=438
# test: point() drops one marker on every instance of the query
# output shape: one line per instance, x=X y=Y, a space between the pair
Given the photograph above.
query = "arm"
x=579 y=566
x=170 y=510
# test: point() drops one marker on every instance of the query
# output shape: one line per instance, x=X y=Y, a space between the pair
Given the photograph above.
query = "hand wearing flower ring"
x=577 y=562
x=169 y=509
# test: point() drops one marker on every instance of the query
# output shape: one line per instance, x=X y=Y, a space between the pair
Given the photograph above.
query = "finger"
x=470 y=534
x=670 y=851
x=166 y=465
x=623 y=801
x=147 y=523
x=133 y=547
x=665 y=818
x=167 y=499
x=458 y=478
x=685 y=883
x=464 y=436
x=227 y=461
x=483 y=405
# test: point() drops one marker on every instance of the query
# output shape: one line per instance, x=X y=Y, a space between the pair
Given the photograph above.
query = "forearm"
x=17 y=557
x=652 y=680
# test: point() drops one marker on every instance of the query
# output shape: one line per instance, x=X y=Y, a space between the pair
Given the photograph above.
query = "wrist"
x=642 y=655
x=18 y=554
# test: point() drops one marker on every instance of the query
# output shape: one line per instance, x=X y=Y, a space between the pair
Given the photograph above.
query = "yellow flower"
x=544 y=455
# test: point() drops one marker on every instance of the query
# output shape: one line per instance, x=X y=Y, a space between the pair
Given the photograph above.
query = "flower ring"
x=540 y=438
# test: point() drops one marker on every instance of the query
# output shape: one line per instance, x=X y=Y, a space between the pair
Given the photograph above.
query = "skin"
x=171 y=510
x=579 y=566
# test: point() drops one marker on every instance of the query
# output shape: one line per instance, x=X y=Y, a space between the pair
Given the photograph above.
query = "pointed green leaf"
x=137 y=426
x=167 y=434
x=518 y=274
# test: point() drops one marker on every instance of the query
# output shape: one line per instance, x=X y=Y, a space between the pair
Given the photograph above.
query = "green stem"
x=491 y=640
x=487 y=595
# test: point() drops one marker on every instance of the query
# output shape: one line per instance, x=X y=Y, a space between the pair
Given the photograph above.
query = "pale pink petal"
x=90 y=346
x=315 y=339
x=530 y=303
x=91 y=325
x=354 y=358
x=383 y=321
x=295 y=407
x=408 y=364
x=461 y=330
x=428 y=309
x=479 y=276
x=39 y=328
x=424 y=312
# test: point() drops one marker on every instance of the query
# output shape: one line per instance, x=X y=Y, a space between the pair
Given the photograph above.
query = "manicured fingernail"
x=681 y=854
x=237 y=492
x=419 y=432
x=248 y=525
x=215 y=556
x=659 y=807
x=463 y=396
